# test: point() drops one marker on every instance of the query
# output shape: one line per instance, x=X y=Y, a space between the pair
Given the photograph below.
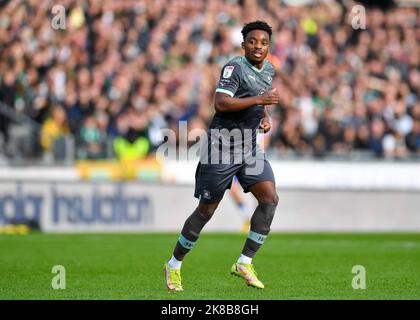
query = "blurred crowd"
x=121 y=71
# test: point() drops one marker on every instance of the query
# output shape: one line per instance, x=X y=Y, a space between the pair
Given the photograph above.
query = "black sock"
x=189 y=234
x=260 y=227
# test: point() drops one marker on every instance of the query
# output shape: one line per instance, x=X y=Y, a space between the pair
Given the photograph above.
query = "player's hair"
x=256 y=25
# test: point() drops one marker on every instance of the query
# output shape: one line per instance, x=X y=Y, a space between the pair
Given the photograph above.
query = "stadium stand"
x=122 y=70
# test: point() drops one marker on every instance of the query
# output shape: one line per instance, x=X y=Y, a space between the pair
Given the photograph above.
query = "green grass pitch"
x=291 y=265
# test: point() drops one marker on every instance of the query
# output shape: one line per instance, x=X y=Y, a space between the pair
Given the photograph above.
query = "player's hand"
x=269 y=97
x=265 y=124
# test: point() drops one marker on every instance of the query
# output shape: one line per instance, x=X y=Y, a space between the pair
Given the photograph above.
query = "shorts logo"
x=227 y=72
x=206 y=194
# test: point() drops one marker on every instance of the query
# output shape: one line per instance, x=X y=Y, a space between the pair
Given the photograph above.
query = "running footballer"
x=243 y=92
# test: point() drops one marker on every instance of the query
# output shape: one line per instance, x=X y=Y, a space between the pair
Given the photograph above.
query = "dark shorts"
x=212 y=180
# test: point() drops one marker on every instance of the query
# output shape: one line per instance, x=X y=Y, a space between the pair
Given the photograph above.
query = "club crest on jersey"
x=206 y=194
x=227 y=72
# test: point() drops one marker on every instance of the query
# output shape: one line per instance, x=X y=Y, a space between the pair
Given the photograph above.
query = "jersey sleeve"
x=230 y=79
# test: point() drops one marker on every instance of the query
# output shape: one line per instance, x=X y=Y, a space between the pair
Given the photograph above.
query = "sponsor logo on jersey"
x=227 y=72
x=251 y=77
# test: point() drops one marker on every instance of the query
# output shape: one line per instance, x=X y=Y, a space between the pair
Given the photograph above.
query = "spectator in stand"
x=162 y=58
x=413 y=138
x=53 y=132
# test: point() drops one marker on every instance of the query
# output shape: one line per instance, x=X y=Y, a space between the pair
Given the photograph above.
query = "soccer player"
x=243 y=92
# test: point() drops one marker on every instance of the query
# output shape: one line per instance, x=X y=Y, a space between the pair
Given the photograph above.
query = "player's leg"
x=262 y=186
x=210 y=186
x=266 y=195
x=188 y=237
x=191 y=231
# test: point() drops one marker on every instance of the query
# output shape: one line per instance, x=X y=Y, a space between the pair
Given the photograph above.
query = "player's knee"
x=269 y=197
x=207 y=210
x=207 y=213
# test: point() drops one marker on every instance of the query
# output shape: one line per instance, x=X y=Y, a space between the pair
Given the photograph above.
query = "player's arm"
x=225 y=103
x=265 y=121
x=266 y=114
x=230 y=80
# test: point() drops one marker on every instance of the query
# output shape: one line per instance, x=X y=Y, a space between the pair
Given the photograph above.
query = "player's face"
x=256 y=45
